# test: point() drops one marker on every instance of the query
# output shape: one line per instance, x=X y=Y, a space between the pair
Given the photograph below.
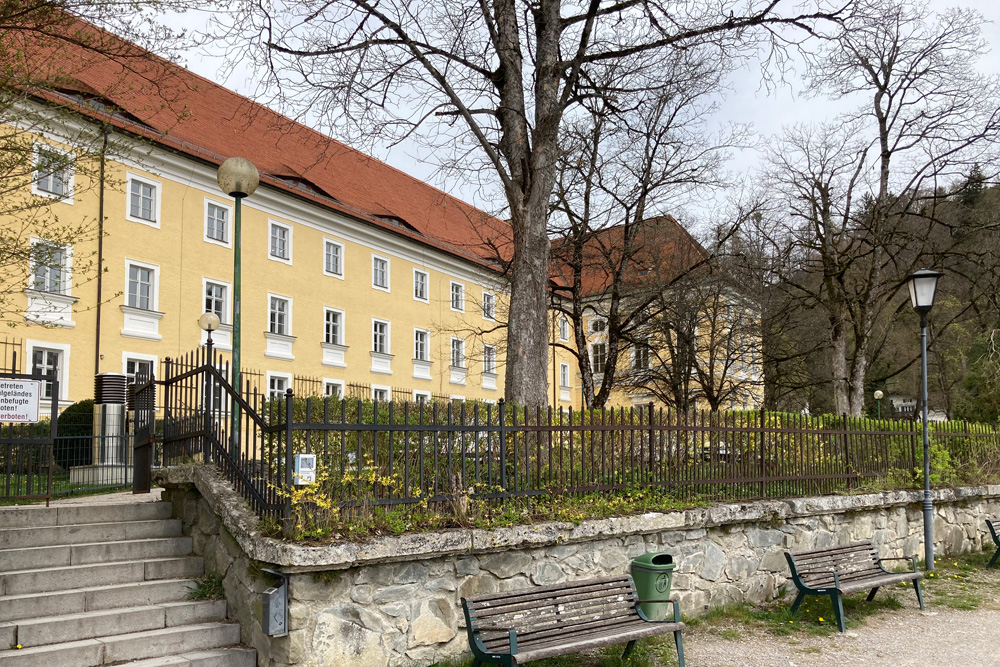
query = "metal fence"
x=372 y=453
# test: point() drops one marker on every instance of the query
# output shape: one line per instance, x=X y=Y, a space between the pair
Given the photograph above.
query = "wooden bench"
x=837 y=571
x=516 y=627
x=994 y=526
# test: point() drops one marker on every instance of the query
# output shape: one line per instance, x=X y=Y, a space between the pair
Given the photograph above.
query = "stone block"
x=715 y=561
x=395 y=593
x=433 y=622
x=506 y=564
x=467 y=566
x=547 y=573
x=362 y=594
x=410 y=573
x=346 y=634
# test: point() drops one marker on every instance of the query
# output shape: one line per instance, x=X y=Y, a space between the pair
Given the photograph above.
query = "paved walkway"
x=939 y=637
x=117 y=498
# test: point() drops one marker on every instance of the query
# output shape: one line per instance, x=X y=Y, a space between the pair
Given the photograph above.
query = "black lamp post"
x=923 y=285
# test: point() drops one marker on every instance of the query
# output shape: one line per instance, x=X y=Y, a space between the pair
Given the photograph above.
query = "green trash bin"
x=653 y=574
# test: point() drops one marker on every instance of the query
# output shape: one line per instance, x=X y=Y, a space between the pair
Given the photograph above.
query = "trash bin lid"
x=655 y=561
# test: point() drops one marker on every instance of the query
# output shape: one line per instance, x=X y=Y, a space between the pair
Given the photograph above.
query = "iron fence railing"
x=372 y=453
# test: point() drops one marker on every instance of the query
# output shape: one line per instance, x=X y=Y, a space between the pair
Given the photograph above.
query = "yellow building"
x=356 y=278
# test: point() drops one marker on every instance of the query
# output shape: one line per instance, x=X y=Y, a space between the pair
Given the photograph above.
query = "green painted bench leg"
x=679 y=641
x=628 y=650
x=838 y=610
x=477 y=663
x=798 y=600
x=993 y=560
x=920 y=597
x=871 y=596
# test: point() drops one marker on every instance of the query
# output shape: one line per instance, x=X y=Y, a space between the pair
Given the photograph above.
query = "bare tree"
x=856 y=204
x=501 y=77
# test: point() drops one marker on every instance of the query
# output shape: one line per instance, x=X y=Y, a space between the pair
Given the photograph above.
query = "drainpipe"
x=100 y=250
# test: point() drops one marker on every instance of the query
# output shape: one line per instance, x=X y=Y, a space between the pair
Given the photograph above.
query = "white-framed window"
x=53 y=173
x=489 y=359
x=278 y=384
x=421 y=283
x=489 y=306
x=333 y=388
x=381 y=393
x=45 y=361
x=217 y=223
x=380 y=336
x=563 y=328
x=421 y=344
x=421 y=396
x=598 y=356
x=279 y=315
x=279 y=242
x=51 y=266
x=217 y=299
x=457 y=296
x=640 y=357
x=45 y=356
x=141 y=285
x=380 y=272
x=563 y=374
x=333 y=258
x=598 y=325
x=458 y=352
x=138 y=366
x=333 y=326
x=143 y=200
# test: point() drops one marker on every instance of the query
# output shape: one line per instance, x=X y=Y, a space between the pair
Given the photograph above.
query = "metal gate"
x=142 y=405
x=26 y=462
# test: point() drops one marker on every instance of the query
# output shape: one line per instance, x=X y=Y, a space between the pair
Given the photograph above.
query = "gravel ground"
x=939 y=637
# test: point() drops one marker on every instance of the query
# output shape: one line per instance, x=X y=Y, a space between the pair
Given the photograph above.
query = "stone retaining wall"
x=396 y=601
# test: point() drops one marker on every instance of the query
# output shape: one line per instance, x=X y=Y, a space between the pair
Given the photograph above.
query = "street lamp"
x=878 y=399
x=238 y=178
x=209 y=322
x=923 y=285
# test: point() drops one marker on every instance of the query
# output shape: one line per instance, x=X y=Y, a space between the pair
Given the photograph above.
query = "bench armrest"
x=511 y=634
x=677 y=610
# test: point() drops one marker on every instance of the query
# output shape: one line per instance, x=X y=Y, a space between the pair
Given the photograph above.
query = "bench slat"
x=530 y=593
x=615 y=636
x=573 y=627
x=495 y=608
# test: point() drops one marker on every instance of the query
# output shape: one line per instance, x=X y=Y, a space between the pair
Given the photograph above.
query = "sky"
x=744 y=100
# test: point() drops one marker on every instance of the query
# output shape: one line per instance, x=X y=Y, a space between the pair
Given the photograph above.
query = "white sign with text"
x=19 y=400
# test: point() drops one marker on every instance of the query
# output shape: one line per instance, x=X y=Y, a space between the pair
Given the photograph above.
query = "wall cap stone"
x=243 y=524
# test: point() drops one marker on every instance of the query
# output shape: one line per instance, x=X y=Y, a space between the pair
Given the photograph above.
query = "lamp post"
x=923 y=284
x=878 y=400
x=238 y=178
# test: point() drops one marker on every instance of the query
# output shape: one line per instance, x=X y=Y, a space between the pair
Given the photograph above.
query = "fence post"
x=206 y=399
x=287 y=523
x=847 y=449
x=763 y=454
x=503 y=446
x=652 y=437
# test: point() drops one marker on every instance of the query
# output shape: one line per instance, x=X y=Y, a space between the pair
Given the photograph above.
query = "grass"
x=962 y=582
x=61 y=488
x=208 y=587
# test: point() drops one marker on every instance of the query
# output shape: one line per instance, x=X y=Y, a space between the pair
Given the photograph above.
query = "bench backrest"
x=550 y=612
x=994 y=526
x=851 y=561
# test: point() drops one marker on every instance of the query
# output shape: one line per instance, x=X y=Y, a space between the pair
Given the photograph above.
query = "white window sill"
x=422 y=369
x=458 y=374
x=50 y=308
x=334 y=355
x=279 y=346
x=141 y=323
x=382 y=363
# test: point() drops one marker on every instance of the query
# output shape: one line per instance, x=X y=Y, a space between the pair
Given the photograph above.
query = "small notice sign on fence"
x=19 y=400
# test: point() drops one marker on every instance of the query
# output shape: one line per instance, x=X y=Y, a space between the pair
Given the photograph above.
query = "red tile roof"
x=185 y=112
x=662 y=250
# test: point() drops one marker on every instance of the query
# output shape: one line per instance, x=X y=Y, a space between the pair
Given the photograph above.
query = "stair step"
x=99 y=574
x=99 y=552
x=180 y=640
x=88 y=533
x=93 y=624
x=220 y=657
x=36 y=517
x=73 y=601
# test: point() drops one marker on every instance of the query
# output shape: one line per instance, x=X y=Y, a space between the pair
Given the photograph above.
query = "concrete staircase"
x=82 y=586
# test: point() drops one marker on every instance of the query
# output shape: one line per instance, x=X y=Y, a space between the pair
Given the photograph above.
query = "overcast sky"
x=745 y=101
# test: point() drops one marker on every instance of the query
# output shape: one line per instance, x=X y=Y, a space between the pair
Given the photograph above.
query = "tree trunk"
x=838 y=365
